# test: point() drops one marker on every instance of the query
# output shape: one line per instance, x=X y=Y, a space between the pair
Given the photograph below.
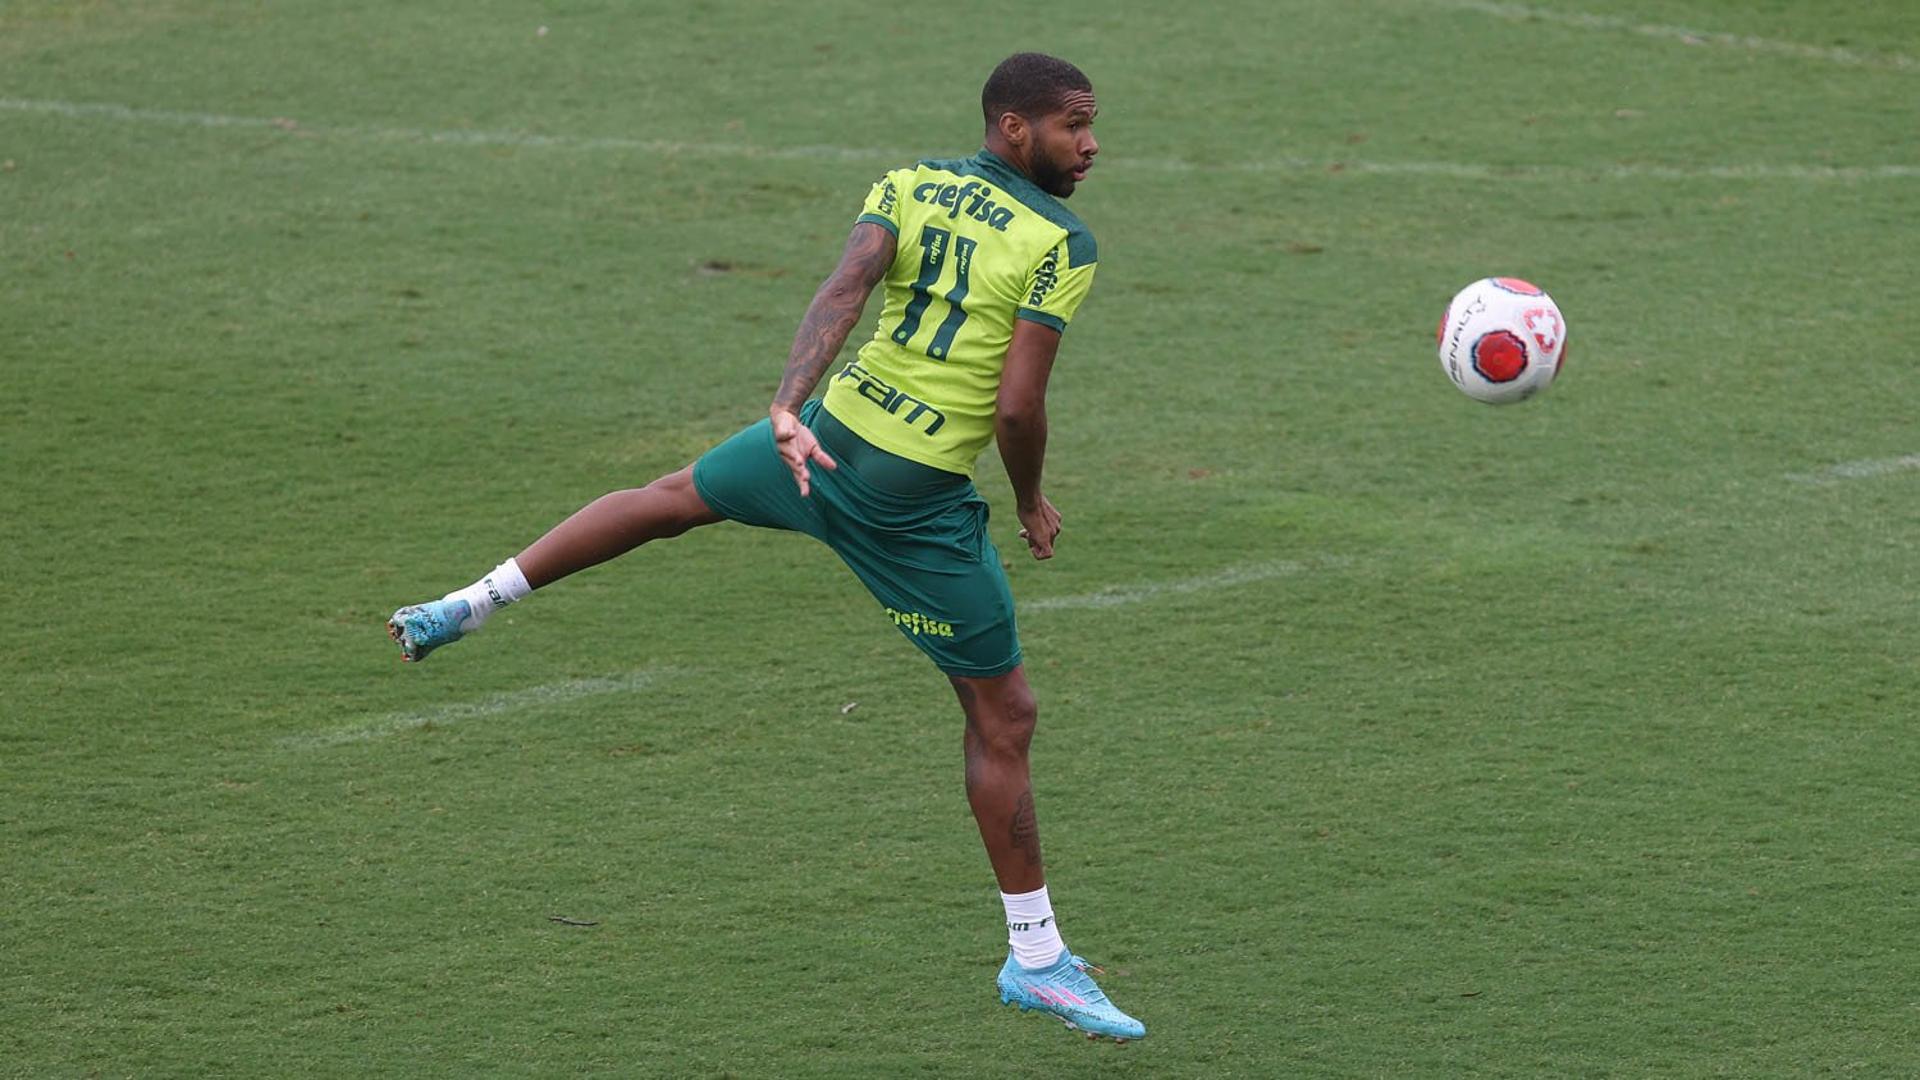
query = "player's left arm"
x=1055 y=286
x=830 y=318
x=1020 y=430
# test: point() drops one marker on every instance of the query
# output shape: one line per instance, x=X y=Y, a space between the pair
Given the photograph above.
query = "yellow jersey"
x=977 y=245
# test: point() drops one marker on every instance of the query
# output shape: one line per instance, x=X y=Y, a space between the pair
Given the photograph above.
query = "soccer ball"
x=1502 y=340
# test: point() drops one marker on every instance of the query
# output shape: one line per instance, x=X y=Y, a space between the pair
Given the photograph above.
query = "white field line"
x=1741 y=42
x=518 y=139
x=496 y=705
x=1621 y=171
x=1858 y=470
x=881 y=155
x=1231 y=578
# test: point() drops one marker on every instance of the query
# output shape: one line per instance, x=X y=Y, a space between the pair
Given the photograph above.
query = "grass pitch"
x=1383 y=734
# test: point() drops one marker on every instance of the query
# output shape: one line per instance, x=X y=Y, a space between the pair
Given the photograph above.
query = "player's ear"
x=1013 y=128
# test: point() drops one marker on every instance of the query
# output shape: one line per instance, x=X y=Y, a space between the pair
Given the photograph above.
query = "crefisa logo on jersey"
x=1045 y=278
x=973 y=197
x=888 y=196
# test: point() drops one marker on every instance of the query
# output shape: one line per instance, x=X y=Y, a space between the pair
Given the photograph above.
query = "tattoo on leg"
x=1025 y=831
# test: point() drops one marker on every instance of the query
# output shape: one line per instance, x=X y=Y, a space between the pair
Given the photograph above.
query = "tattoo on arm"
x=835 y=309
x=1025 y=831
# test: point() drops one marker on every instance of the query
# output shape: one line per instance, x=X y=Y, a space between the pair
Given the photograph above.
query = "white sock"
x=1031 y=928
x=496 y=590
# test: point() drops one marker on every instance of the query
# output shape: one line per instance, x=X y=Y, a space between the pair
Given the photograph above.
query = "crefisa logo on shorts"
x=915 y=623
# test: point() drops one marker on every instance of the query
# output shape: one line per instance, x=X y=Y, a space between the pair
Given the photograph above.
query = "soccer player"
x=983 y=270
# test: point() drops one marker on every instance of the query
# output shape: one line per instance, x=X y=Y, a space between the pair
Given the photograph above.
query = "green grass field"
x=1383 y=734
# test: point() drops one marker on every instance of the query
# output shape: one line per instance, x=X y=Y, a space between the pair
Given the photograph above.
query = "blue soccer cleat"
x=1067 y=991
x=421 y=628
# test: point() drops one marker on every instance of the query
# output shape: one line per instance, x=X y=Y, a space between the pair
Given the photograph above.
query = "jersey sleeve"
x=883 y=202
x=1059 y=282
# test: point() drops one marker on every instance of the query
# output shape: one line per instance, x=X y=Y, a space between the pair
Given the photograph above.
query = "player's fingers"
x=800 y=477
x=821 y=457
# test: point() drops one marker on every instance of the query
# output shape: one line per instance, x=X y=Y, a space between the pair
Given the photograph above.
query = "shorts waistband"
x=883 y=469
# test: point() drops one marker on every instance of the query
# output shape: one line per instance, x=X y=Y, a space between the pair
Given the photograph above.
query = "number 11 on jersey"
x=934 y=245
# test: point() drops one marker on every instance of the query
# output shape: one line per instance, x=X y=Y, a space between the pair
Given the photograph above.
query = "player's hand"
x=797 y=447
x=1039 y=525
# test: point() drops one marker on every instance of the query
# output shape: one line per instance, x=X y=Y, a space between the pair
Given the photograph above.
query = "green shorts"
x=916 y=535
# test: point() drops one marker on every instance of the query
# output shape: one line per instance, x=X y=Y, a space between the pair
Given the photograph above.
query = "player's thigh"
x=745 y=479
x=942 y=587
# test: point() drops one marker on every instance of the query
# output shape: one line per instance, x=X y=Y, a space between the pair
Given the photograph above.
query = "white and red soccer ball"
x=1502 y=340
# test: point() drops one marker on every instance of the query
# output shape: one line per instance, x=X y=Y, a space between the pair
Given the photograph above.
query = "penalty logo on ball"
x=1502 y=340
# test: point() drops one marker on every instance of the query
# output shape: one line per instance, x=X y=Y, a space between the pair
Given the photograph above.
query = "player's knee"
x=1022 y=711
x=1009 y=731
x=678 y=501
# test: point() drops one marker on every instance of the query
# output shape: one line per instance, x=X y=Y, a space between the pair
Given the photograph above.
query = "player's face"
x=1063 y=144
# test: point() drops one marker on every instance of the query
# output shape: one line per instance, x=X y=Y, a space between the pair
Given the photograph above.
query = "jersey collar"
x=1009 y=177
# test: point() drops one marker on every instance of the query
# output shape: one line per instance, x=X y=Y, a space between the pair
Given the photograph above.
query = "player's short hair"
x=1031 y=84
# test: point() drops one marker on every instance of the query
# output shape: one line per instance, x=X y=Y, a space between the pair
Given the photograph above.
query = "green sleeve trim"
x=1059 y=324
x=884 y=222
x=1080 y=247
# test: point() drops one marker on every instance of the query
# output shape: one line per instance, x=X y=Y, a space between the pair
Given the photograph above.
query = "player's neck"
x=1010 y=154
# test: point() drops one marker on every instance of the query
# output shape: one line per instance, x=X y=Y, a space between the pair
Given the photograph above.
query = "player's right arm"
x=830 y=318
